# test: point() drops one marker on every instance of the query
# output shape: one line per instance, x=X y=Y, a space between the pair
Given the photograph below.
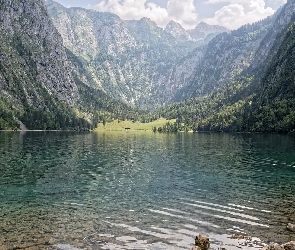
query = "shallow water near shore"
x=140 y=190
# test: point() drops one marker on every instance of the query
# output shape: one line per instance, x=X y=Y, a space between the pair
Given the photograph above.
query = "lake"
x=144 y=190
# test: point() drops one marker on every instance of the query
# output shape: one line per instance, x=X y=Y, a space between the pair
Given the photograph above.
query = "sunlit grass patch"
x=129 y=125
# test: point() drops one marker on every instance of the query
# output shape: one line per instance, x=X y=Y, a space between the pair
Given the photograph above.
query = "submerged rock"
x=241 y=237
x=202 y=242
x=275 y=246
x=291 y=227
x=290 y=245
x=195 y=248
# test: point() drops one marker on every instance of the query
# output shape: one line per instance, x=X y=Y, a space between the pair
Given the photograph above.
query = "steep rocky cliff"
x=32 y=53
x=40 y=88
x=141 y=64
x=34 y=69
x=148 y=67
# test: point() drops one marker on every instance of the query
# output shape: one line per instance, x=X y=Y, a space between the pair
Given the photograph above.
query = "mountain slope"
x=274 y=109
x=225 y=58
x=33 y=63
x=177 y=31
x=40 y=87
x=206 y=32
x=129 y=60
x=258 y=97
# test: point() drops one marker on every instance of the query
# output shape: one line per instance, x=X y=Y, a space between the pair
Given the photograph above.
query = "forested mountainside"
x=39 y=86
x=133 y=61
x=224 y=58
x=258 y=97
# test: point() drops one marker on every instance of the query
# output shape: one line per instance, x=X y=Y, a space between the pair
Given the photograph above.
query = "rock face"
x=225 y=58
x=240 y=53
x=134 y=61
x=40 y=85
x=271 y=41
x=203 y=32
x=35 y=73
x=148 y=67
x=32 y=54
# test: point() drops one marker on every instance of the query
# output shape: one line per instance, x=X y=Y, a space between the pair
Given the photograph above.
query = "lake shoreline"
x=202 y=242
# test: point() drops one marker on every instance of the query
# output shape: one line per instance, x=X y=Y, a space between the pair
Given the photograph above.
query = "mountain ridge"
x=136 y=65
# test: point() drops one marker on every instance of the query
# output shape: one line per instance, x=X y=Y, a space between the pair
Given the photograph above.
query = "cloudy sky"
x=229 y=13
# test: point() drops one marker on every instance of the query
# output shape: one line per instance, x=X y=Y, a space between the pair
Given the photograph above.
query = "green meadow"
x=117 y=125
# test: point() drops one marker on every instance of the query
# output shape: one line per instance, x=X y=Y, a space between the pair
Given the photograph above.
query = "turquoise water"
x=140 y=190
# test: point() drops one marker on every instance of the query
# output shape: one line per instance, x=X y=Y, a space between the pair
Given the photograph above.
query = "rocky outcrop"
x=41 y=86
x=271 y=41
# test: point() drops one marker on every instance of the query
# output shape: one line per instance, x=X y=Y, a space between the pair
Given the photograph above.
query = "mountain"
x=244 y=80
x=73 y=69
x=33 y=63
x=273 y=109
x=203 y=33
x=177 y=31
x=41 y=88
x=129 y=60
x=224 y=58
x=206 y=32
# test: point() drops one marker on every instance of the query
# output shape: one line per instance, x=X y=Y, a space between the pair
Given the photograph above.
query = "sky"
x=229 y=13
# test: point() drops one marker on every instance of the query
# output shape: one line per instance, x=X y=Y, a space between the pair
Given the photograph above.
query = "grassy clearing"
x=122 y=125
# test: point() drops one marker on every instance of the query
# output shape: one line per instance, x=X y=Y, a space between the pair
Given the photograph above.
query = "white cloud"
x=239 y=12
x=232 y=15
x=181 y=11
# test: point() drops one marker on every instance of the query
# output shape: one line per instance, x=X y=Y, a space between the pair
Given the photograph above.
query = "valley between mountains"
x=72 y=68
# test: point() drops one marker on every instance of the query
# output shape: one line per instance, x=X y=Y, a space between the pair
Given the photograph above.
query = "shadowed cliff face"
x=36 y=83
x=32 y=55
x=42 y=84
